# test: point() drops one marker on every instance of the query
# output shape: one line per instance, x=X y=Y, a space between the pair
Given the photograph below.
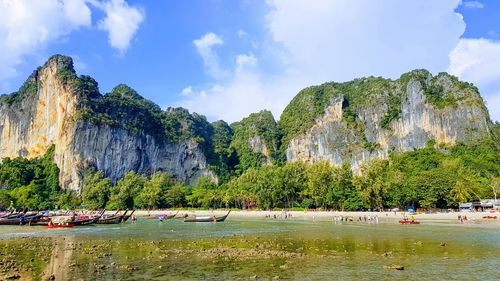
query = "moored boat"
x=126 y=217
x=20 y=219
x=208 y=218
x=6 y=214
x=116 y=218
x=61 y=222
x=166 y=217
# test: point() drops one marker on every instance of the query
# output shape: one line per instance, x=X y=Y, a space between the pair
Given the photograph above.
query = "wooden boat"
x=61 y=222
x=112 y=219
x=6 y=214
x=490 y=217
x=115 y=218
x=208 y=218
x=86 y=220
x=20 y=219
x=126 y=217
x=405 y=221
x=166 y=217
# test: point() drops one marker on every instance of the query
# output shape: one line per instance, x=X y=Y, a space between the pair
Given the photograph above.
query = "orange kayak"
x=408 y=222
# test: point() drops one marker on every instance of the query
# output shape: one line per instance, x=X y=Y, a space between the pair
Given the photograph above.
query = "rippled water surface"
x=244 y=249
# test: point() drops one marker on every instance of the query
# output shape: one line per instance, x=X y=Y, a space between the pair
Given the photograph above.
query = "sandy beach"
x=476 y=217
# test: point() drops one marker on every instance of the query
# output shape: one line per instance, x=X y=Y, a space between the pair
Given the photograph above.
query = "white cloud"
x=478 y=61
x=473 y=5
x=241 y=33
x=187 y=91
x=27 y=26
x=121 y=22
x=245 y=61
x=341 y=40
x=205 y=45
x=246 y=92
x=335 y=41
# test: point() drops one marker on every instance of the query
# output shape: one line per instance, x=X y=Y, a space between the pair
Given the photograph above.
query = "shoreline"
x=329 y=215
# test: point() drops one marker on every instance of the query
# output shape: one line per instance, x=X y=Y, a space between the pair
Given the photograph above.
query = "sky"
x=226 y=59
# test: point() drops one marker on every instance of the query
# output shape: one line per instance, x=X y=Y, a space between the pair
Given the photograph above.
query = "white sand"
x=329 y=215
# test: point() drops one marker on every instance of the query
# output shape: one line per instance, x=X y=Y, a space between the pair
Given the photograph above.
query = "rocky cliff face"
x=256 y=135
x=425 y=110
x=44 y=112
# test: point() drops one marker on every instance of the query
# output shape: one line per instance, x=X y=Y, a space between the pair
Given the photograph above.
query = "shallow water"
x=245 y=249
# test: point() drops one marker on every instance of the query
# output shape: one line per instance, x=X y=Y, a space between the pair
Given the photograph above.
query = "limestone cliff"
x=367 y=118
x=256 y=139
x=49 y=109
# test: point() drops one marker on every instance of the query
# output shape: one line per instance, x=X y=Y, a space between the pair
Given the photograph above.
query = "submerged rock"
x=394 y=266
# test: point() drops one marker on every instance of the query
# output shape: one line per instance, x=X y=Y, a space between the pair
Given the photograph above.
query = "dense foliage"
x=33 y=183
x=259 y=125
x=425 y=178
x=28 y=89
x=132 y=191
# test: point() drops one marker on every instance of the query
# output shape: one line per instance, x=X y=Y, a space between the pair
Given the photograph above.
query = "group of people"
x=283 y=215
x=366 y=219
x=462 y=219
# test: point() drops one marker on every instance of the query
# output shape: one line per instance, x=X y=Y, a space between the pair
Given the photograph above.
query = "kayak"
x=408 y=222
x=489 y=217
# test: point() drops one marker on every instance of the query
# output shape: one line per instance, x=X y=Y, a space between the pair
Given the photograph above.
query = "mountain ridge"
x=339 y=122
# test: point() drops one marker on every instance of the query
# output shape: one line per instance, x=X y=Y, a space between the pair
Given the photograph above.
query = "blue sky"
x=226 y=59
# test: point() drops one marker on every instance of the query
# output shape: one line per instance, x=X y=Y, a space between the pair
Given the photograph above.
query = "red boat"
x=406 y=221
x=490 y=217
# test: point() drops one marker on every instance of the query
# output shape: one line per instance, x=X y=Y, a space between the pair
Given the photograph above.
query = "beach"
x=448 y=217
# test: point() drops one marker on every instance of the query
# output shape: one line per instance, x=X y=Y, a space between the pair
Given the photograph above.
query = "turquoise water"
x=242 y=249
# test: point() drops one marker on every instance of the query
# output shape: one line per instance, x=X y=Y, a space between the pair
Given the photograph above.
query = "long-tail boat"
x=113 y=219
x=126 y=217
x=70 y=221
x=20 y=219
x=166 y=217
x=6 y=214
x=86 y=220
x=208 y=218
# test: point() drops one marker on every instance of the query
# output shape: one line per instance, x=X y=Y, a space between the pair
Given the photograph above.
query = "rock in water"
x=394 y=266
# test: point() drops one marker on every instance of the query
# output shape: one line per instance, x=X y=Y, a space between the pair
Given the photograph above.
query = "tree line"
x=425 y=178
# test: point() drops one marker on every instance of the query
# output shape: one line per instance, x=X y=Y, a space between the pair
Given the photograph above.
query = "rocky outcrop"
x=256 y=134
x=419 y=123
x=46 y=114
x=257 y=145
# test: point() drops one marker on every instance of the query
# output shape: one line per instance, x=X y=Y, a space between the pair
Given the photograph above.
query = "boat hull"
x=207 y=219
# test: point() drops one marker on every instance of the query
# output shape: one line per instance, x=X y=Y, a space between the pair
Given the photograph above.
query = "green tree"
x=320 y=178
x=5 y=199
x=152 y=196
x=125 y=194
x=96 y=190
x=176 y=196
x=205 y=194
x=371 y=184
x=294 y=176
